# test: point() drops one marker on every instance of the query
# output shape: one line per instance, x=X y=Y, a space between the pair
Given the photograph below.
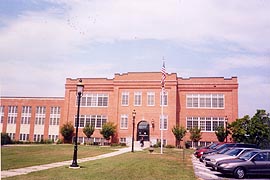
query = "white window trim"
x=123 y=116
x=199 y=95
x=166 y=94
x=125 y=93
x=138 y=93
x=165 y=117
x=151 y=94
x=219 y=119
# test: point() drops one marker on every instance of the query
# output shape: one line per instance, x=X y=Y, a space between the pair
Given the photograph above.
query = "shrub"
x=187 y=145
x=169 y=146
x=5 y=139
x=108 y=130
x=67 y=131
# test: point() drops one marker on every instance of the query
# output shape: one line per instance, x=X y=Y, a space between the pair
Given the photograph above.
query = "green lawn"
x=172 y=164
x=13 y=157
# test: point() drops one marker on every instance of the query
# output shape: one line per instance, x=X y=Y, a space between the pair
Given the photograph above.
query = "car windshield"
x=229 y=145
x=220 y=147
x=246 y=156
x=213 y=145
x=233 y=152
x=222 y=151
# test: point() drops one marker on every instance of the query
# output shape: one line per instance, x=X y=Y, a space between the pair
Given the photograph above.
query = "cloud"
x=64 y=31
x=244 y=61
x=246 y=24
x=253 y=94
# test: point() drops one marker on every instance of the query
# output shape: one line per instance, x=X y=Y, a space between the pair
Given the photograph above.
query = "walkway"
x=26 y=170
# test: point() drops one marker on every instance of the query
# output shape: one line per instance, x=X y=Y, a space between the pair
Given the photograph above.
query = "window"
x=95 y=120
x=202 y=124
x=205 y=123
x=218 y=122
x=53 y=138
x=94 y=100
x=38 y=137
x=261 y=157
x=215 y=101
x=208 y=101
x=55 y=116
x=165 y=122
x=150 y=99
x=11 y=135
x=125 y=98
x=124 y=121
x=123 y=140
x=137 y=98
x=165 y=98
x=208 y=124
x=24 y=137
x=40 y=115
x=12 y=114
x=2 y=113
x=26 y=114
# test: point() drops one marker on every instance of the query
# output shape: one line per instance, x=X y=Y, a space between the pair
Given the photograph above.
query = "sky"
x=43 y=42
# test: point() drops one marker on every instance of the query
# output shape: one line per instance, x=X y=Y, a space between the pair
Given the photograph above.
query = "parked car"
x=225 y=147
x=211 y=160
x=220 y=148
x=199 y=152
x=250 y=163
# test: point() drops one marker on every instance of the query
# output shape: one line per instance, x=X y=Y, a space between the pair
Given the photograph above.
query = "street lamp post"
x=133 y=126
x=79 y=94
x=226 y=124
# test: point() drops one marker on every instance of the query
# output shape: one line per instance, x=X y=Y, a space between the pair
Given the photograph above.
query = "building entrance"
x=143 y=131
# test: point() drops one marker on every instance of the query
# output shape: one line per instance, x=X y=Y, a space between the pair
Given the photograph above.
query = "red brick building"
x=204 y=102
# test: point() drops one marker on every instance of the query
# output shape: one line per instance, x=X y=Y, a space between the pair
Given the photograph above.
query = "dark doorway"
x=143 y=131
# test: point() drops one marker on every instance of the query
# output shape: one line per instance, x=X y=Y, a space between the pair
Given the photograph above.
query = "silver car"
x=211 y=160
x=255 y=162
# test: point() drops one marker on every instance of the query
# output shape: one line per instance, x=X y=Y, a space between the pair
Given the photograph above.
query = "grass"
x=172 y=164
x=13 y=157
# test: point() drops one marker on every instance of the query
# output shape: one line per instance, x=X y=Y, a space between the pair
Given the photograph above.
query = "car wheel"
x=239 y=173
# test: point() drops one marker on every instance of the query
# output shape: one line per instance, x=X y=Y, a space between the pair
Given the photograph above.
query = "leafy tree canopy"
x=255 y=130
x=108 y=130
x=195 y=134
x=67 y=131
x=179 y=133
x=88 y=130
x=221 y=133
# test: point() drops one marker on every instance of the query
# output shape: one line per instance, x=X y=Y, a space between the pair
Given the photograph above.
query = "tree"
x=67 y=131
x=179 y=133
x=108 y=130
x=195 y=134
x=5 y=139
x=253 y=130
x=88 y=130
x=221 y=133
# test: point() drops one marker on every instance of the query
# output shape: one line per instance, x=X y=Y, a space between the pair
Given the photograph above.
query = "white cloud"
x=246 y=24
x=244 y=61
x=39 y=34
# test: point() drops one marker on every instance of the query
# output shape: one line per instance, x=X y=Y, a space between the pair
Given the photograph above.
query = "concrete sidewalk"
x=26 y=170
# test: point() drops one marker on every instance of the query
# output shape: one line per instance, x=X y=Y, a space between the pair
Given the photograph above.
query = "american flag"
x=163 y=77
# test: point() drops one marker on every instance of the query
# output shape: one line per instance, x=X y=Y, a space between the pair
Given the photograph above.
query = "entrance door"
x=143 y=131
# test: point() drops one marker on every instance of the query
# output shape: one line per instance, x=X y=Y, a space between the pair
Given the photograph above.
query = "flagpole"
x=163 y=77
x=162 y=120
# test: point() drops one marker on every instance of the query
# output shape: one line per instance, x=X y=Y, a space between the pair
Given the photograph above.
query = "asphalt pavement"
x=206 y=173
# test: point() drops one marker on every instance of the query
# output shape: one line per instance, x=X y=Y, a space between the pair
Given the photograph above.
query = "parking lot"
x=207 y=174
